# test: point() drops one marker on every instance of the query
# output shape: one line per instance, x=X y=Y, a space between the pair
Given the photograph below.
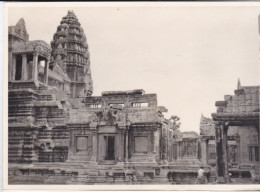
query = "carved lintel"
x=236 y=117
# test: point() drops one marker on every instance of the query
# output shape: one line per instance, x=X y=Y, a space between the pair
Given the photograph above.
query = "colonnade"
x=221 y=132
x=24 y=67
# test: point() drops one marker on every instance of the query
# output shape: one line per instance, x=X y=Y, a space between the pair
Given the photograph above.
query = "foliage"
x=175 y=121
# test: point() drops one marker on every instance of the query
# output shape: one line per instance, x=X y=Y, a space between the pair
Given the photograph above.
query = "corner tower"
x=18 y=33
x=70 y=52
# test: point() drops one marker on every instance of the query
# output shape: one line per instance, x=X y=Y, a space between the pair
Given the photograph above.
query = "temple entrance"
x=107 y=150
x=108 y=140
x=110 y=147
x=18 y=66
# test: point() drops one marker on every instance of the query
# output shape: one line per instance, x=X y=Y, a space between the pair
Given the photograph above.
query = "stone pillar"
x=10 y=64
x=225 y=151
x=126 y=146
x=94 y=147
x=35 y=67
x=46 y=71
x=258 y=148
x=204 y=151
x=24 y=67
x=238 y=150
x=164 y=145
x=196 y=143
x=156 y=141
x=13 y=68
x=178 y=150
x=122 y=140
x=120 y=143
x=221 y=152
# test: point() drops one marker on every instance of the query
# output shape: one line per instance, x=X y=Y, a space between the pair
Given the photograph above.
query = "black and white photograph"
x=132 y=94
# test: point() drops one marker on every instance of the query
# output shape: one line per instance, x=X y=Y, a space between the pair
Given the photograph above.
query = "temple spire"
x=238 y=84
x=21 y=25
x=70 y=52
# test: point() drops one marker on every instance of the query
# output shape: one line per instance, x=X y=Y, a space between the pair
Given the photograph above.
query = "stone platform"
x=92 y=173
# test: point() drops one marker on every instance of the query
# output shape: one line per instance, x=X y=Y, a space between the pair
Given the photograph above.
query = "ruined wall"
x=245 y=100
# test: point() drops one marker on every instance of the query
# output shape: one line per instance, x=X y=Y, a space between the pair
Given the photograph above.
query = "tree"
x=175 y=121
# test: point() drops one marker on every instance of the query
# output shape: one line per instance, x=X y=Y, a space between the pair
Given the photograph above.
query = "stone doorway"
x=110 y=147
x=18 y=67
x=107 y=150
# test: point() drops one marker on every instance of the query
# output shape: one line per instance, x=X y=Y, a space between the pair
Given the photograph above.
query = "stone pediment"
x=110 y=116
x=19 y=30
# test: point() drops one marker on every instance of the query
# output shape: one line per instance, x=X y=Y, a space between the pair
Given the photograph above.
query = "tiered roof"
x=70 y=46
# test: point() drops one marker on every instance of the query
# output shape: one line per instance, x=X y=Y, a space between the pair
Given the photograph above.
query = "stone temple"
x=230 y=141
x=58 y=133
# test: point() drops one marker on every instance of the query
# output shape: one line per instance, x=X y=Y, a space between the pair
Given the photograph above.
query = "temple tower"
x=70 y=52
x=18 y=33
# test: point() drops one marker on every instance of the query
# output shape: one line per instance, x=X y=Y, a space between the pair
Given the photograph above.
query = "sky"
x=190 y=56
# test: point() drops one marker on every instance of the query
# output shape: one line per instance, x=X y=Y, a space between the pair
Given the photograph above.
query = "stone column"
x=204 y=153
x=178 y=150
x=94 y=147
x=126 y=146
x=10 y=64
x=46 y=71
x=121 y=143
x=257 y=125
x=13 y=68
x=156 y=141
x=24 y=67
x=225 y=151
x=35 y=67
x=238 y=150
x=164 y=145
x=221 y=152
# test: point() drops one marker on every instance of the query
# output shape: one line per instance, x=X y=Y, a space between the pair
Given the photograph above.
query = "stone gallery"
x=58 y=133
x=231 y=139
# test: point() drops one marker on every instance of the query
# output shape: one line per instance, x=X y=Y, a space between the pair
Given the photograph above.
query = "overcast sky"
x=189 y=56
